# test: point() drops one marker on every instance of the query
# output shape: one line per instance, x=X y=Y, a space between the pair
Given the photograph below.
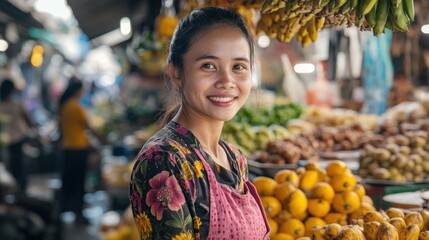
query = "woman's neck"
x=206 y=131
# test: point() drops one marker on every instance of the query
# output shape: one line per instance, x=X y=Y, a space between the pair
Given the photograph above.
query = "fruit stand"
x=325 y=173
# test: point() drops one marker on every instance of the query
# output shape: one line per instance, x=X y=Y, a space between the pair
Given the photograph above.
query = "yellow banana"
x=320 y=22
x=383 y=8
x=268 y=5
x=306 y=40
x=312 y=29
x=409 y=8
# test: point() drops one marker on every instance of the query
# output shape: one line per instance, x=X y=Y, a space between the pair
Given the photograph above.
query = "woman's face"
x=216 y=79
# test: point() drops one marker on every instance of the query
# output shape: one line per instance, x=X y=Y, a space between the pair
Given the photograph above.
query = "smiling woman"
x=186 y=182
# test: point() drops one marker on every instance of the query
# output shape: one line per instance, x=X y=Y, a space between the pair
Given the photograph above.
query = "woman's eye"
x=208 y=66
x=239 y=67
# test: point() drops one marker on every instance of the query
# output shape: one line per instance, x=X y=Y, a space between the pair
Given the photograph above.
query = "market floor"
x=45 y=187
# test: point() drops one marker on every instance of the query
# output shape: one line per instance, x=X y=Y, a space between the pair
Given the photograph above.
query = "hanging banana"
x=383 y=8
x=409 y=8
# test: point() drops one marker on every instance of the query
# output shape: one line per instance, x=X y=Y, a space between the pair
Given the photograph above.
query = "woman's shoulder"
x=165 y=142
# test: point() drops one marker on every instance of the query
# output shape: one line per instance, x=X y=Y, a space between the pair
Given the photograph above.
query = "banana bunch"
x=303 y=19
x=235 y=4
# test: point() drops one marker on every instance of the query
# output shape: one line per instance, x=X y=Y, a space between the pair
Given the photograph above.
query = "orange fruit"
x=343 y=182
x=281 y=236
x=339 y=218
x=312 y=165
x=360 y=190
x=364 y=208
x=346 y=202
x=296 y=203
x=274 y=226
x=293 y=227
x=336 y=167
x=287 y=175
x=283 y=190
x=313 y=222
x=264 y=185
x=318 y=207
x=368 y=200
x=283 y=216
x=322 y=190
x=272 y=205
x=308 y=180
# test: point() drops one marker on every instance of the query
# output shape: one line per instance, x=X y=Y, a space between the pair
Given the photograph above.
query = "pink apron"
x=234 y=215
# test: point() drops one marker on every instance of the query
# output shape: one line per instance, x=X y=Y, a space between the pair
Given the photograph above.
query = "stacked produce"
x=338 y=117
x=305 y=18
x=279 y=114
x=287 y=151
x=251 y=130
x=308 y=145
x=249 y=138
x=394 y=223
x=404 y=156
x=297 y=201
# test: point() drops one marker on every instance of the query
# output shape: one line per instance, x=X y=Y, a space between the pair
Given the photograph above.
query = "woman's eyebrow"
x=203 y=57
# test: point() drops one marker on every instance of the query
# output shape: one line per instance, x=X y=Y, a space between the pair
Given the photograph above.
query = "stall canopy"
x=96 y=18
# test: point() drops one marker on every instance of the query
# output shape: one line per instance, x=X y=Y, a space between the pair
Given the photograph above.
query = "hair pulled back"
x=74 y=86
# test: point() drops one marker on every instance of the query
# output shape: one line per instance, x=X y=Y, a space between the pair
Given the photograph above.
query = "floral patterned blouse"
x=169 y=191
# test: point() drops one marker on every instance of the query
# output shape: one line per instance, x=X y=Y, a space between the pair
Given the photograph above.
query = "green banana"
x=354 y=4
x=389 y=24
x=346 y=7
x=396 y=3
x=340 y=3
x=367 y=6
x=409 y=8
x=383 y=8
x=323 y=3
x=399 y=20
x=371 y=16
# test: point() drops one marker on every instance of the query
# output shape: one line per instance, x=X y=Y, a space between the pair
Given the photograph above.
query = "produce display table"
x=406 y=196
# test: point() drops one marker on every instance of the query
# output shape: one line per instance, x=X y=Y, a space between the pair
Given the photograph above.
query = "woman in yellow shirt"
x=73 y=124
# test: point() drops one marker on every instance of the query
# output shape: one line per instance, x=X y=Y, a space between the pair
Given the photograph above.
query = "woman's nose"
x=226 y=79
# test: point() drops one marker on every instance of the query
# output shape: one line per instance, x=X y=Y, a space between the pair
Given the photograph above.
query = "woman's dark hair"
x=197 y=21
x=74 y=86
x=6 y=89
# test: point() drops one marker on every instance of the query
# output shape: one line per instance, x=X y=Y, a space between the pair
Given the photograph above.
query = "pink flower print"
x=181 y=130
x=149 y=153
x=172 y=159
x=165 y=193
x=136 y=201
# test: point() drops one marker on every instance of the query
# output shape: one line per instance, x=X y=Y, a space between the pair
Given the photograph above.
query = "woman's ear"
x=174 y=74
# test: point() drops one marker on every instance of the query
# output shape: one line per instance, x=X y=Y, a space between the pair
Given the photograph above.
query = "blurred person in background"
x=73 y=126
x=18 y=128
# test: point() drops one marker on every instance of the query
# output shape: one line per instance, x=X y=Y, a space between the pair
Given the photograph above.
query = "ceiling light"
x=111 y=38
x=264 y=41
x=425 y=29
x=3 y=45
x=125 y=26
x=304 y=68
x=57 y=8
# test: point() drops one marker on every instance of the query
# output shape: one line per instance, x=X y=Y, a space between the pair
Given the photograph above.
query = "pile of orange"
x=295 y=201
